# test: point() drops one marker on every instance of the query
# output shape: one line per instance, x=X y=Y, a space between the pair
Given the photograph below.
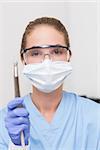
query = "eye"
x=34 y=53
x=57 y=51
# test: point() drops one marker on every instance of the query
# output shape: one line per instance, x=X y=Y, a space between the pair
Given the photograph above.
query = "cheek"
x=66 y=57
x=61 y=59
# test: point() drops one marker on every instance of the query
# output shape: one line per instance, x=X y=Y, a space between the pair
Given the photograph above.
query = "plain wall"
x=80 y=19
x=98 y=47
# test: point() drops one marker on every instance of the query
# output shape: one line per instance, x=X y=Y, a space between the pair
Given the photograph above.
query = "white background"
x=80 y=19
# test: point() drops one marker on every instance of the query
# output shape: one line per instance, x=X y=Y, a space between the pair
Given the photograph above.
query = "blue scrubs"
x=75 y=125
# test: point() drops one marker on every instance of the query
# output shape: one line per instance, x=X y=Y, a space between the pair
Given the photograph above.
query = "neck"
x=47 y=103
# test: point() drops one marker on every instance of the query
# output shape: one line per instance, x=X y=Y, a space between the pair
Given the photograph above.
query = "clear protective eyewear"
x=37 y=53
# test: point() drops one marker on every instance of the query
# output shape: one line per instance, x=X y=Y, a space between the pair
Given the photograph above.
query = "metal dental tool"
x=17 y=94
x=16 y=80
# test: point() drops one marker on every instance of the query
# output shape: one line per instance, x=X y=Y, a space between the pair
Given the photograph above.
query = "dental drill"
x=17 y=94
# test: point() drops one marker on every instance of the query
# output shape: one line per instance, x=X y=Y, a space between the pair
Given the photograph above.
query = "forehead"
x=43 y=35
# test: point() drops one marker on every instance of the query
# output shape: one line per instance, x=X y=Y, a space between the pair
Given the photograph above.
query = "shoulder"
x=4 y=138
x=3 y=112
x=81 y=101
x=85 y=107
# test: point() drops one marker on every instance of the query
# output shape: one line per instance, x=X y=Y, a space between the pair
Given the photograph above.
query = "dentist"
x=51 y=119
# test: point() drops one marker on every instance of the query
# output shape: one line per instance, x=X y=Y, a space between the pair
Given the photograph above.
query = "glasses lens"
x=58 y=51
x=34 y=53
x=38 y=54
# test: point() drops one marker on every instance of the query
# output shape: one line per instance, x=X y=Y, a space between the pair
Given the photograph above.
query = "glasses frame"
x=45 y=46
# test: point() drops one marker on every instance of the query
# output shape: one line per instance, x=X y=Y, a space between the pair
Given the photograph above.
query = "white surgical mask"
x=48 y=75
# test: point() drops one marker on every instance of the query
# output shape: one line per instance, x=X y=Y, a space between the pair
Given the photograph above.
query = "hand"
x=17 y=120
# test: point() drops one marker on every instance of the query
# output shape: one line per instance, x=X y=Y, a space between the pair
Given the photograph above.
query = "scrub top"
x=75 y=125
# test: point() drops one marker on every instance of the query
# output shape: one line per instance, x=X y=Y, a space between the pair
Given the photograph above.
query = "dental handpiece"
x=17 y=94
x=16 y=80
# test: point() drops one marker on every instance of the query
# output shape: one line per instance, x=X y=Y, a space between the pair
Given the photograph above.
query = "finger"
x=15 y=103
x=15 y=130
x=21 y=112
x=18 y=112
x=20 y=120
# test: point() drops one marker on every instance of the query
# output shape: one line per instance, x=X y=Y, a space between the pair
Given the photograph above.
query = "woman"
x=51 y=119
